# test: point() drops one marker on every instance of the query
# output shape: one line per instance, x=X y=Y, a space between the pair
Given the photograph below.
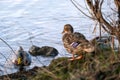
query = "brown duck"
x=75 y=42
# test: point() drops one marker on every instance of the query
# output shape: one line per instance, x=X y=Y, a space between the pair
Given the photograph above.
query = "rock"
x=45 y=51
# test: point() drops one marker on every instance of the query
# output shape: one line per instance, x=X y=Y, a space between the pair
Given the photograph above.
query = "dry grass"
x=104 y=64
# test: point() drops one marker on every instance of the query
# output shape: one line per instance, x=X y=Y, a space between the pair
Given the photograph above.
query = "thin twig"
x=3 y=56
x=101 y=4
x=8 y=45
x=4 y=66
x=94 y=30
x=81 y=10
x=39 y=61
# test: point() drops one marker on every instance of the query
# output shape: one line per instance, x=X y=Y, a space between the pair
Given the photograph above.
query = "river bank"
x=103 y=65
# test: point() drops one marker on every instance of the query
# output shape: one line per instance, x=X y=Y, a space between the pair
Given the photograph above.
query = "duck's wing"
x=78 y=37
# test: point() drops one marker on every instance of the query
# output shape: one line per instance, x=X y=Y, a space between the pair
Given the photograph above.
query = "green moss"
x=102 y=65
x=117 y=70
x=42 y=77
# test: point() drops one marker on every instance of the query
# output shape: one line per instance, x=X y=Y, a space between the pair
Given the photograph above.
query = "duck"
x=75 y=42
x=103 y=42
x=22 y=59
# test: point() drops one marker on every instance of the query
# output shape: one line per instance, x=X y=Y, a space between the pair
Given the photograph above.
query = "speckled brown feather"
x=69 y=37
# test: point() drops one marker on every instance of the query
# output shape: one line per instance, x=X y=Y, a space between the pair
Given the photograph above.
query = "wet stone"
x=45 y=51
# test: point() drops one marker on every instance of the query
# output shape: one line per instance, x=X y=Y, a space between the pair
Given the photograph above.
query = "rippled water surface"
x=38 y=22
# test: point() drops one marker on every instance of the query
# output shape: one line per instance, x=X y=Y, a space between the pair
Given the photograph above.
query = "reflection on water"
x=38 y=22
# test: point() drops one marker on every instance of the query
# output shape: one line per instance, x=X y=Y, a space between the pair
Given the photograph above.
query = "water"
x=38 y=22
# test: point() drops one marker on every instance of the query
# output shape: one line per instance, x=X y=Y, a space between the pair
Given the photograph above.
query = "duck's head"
x=67 y=29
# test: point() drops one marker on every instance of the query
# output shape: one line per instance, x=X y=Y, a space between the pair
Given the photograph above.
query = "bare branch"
x=94 y=30
x=98 y=14
x=107 y=23
x=89 y=10
x=117 y=3
x=101 y=4
x=80 y=9
x=105 y=28
x=90 y=4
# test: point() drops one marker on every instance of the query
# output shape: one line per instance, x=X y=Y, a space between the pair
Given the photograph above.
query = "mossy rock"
x=45 y=51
